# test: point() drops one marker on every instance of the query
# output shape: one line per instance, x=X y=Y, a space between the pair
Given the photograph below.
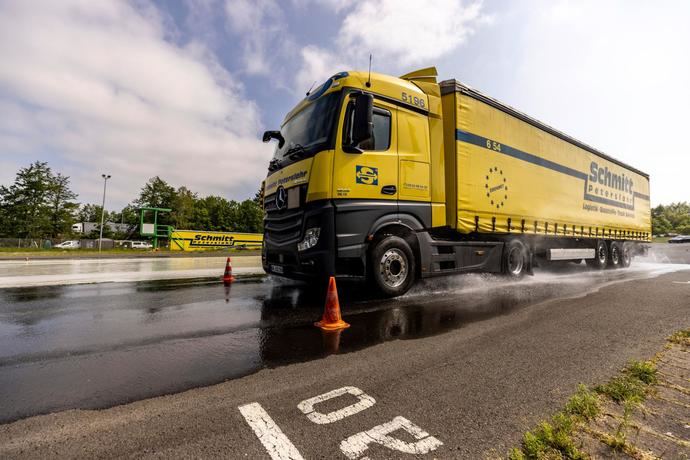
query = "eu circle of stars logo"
x=496 y=187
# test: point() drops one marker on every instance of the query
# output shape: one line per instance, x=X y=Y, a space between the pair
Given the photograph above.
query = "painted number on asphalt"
x=307 y=406
x=354 y=446
x=279 y=447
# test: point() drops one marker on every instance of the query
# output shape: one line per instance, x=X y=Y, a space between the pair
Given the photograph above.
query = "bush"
x=551 y=440
x=583 y=404
x=681 y=337
x=622 y=388
x=644 y=371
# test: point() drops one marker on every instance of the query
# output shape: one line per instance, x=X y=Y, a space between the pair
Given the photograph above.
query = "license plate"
x=277 y=269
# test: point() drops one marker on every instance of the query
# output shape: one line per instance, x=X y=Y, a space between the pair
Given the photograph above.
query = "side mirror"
x=268 y=135
x=362 y=125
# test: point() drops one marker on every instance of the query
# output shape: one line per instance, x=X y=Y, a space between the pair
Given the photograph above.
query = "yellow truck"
x=394 y=179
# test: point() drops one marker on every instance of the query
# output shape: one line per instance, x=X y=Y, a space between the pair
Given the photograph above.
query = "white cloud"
x=395 y=32
x=260 y=28
x=97 y=85
x=409 y=33
x=333 y=5
x=199 y=19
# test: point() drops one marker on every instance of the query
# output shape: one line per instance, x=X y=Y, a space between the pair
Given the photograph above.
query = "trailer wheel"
x=392 y=266
x=515 y=259
x=615 y=255
x=601 y=256
x=626 y=256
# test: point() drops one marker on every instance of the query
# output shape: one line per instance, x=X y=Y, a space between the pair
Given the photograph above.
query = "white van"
x=69 y=244
x=141 y=245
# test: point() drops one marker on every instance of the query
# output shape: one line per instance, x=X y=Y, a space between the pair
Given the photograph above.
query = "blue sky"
x=183 y=89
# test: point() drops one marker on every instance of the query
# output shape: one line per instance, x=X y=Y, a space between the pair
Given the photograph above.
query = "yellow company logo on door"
x=367 y=175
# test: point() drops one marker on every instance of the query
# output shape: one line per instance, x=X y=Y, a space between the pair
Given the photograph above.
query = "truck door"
x=365 y=185
x=413 y=151
x=373 y=174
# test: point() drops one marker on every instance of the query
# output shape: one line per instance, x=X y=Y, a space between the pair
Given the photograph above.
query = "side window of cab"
x=381 y=140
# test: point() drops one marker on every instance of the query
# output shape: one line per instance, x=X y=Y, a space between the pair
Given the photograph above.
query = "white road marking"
x=681 y=282
x=354 y=446
x=307 y=406
x=271 y=436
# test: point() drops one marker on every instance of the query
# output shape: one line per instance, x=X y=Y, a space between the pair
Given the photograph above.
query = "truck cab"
x=353 y=162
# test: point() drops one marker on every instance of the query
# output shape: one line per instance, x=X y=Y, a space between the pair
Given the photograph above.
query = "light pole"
x=105 y=182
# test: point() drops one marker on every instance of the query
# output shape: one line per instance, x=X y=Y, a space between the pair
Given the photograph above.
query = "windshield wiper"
x=297 y=151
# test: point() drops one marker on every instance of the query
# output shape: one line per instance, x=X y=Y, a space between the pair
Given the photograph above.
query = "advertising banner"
x=193 y=240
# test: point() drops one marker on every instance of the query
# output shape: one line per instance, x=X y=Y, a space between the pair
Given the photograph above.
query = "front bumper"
x=284 y=229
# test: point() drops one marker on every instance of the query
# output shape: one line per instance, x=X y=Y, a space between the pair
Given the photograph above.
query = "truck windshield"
x=308 y=132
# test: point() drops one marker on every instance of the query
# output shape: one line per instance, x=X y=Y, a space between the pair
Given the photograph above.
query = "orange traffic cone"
x=331 y=320
x=227 y=276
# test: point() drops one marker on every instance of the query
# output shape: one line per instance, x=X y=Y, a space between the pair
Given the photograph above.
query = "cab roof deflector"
x=427 y=74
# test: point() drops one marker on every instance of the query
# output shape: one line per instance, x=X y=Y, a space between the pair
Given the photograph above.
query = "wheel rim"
x=625 y=257
x=515 y=261
x=615 y=256
x=393 y=267
x=602 y=253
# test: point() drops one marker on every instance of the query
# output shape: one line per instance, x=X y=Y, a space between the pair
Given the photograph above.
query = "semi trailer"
x=394 y=179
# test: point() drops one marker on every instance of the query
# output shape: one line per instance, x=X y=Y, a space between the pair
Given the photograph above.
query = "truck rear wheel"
x=615 y=254
x=515 y=259
x=601 y=256
x=626 y=256
x=392 y=265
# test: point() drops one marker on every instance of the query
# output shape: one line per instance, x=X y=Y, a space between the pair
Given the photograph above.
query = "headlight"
x=311 y=237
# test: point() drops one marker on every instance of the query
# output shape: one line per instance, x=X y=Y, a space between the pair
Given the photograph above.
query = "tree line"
x=672 y=218
x=40 y=204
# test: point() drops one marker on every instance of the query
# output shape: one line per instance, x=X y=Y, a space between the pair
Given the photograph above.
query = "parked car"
x=680 y=239
x=141 y=245
x=69 y=244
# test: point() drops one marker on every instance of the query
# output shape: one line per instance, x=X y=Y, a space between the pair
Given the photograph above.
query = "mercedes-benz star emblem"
x=281 y=198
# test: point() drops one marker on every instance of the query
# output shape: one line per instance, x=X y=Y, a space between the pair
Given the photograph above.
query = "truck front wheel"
x=515 y=259
x=392 y=265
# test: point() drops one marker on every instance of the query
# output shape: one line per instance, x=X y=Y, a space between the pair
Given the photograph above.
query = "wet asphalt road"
x=515 y=357
x=57 y=271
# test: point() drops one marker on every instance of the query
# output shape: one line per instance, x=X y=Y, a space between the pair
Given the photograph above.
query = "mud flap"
x=530 y=264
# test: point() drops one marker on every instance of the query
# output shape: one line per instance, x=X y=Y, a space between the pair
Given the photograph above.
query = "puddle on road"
x=434 y=307
x=285 y=340
x=95 y=346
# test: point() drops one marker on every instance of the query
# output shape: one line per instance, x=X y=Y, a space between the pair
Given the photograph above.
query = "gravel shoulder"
x=642 y=412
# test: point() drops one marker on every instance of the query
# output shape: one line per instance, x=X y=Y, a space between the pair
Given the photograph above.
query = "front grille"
x=270 y=200
x=270 y=203
x=283 y=226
